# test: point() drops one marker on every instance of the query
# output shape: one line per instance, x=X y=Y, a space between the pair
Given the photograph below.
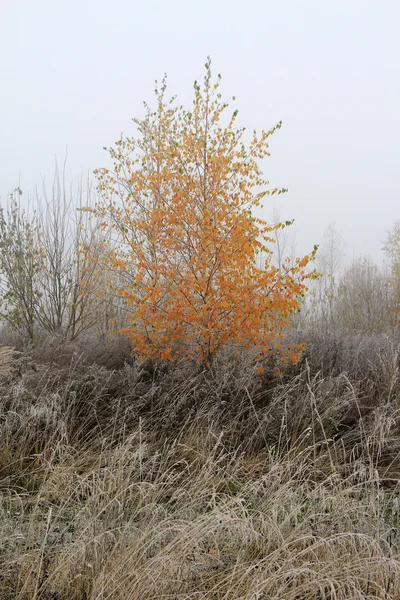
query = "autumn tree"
x=180 y=199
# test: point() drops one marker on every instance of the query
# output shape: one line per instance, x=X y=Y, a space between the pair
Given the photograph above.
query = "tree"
x=20 y=265
x=354 y=298
x=52 y=277
x=392 y=251
x=284 y=244
x=324 y=294
x=71 y=277
x=363 y=299
x=180 y=200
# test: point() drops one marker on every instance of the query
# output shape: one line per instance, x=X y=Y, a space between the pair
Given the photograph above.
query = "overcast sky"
x=75 y=72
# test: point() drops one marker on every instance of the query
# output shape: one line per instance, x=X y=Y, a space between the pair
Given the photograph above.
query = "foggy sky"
x=75 y=72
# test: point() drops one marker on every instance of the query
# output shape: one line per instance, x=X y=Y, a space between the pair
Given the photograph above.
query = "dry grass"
x=141 y=484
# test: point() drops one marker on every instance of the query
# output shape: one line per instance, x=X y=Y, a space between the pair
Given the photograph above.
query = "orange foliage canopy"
x=180 y=199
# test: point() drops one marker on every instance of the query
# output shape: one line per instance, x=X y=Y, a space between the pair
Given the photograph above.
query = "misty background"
x=74 y=74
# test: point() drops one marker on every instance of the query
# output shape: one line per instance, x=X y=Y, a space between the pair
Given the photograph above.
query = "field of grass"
x=137 y=483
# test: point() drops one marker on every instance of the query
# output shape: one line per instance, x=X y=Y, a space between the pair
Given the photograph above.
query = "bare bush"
x=358 y=301
x=52 y=275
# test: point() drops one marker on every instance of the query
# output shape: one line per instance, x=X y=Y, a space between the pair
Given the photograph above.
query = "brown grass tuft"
x=144 y=483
